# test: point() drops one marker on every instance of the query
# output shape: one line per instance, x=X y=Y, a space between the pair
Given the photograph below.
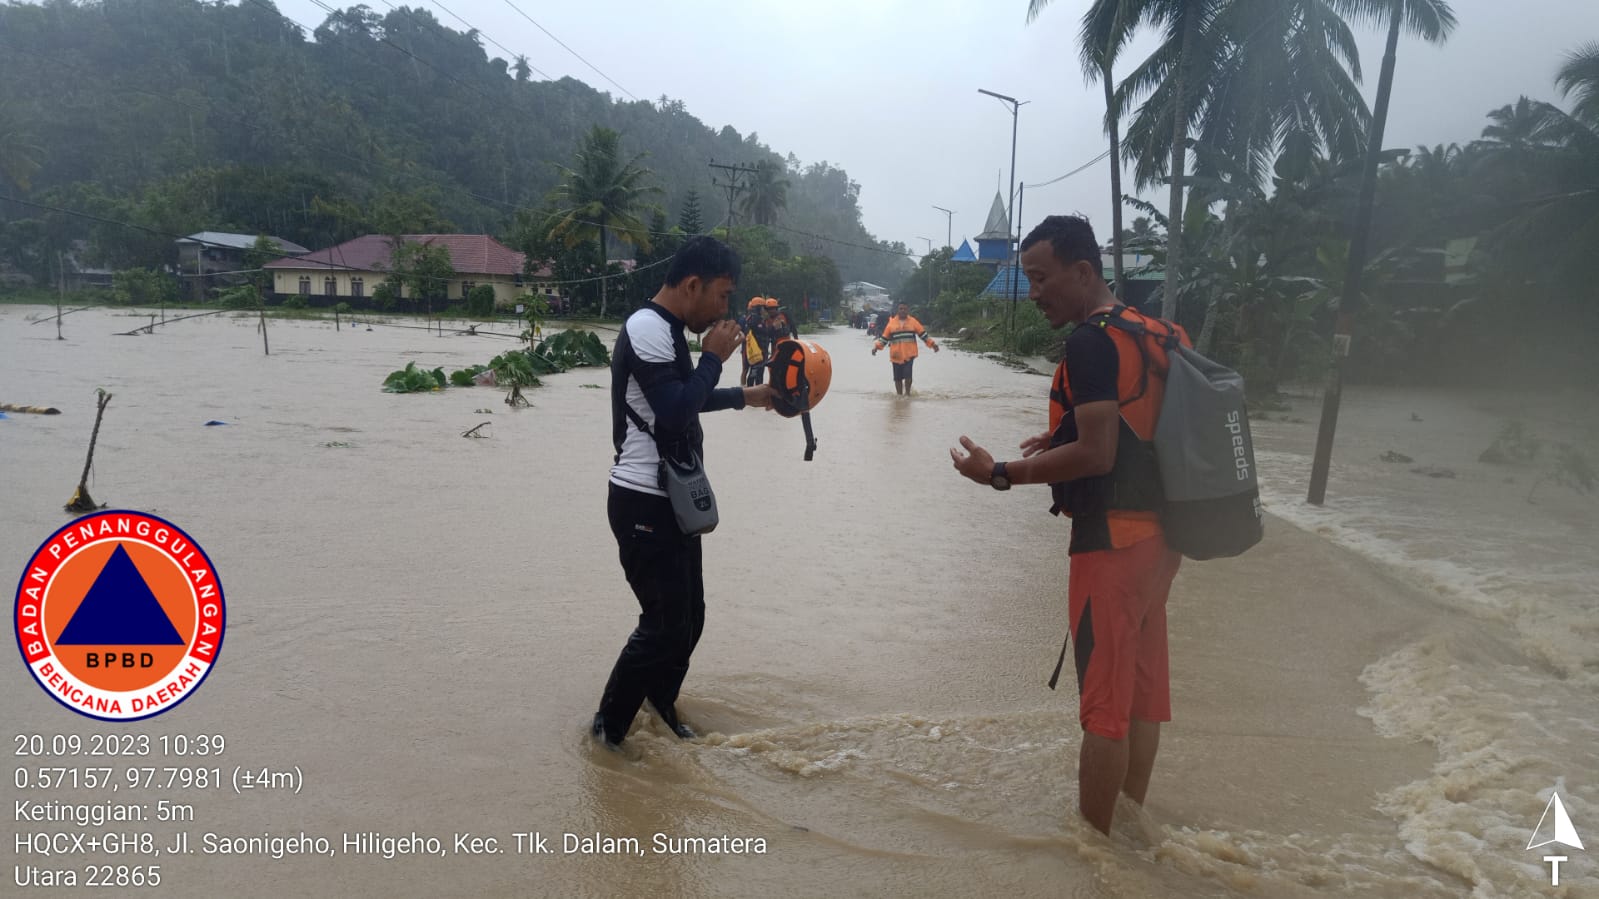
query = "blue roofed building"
x=964 y=254
x=994 y=244
x=1141 y=280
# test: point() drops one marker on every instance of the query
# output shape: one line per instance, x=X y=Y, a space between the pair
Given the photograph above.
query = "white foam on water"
x=989 y=783
x=1506 y=688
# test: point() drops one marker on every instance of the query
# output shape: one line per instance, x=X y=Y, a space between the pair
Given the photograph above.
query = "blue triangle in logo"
x=119 y=610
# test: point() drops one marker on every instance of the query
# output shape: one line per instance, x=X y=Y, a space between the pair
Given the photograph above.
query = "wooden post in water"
x=81 y=501
x=336 y=318
x=61 y=263
x=265 y=347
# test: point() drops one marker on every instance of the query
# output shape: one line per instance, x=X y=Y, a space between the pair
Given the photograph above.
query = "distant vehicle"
x=871 y=325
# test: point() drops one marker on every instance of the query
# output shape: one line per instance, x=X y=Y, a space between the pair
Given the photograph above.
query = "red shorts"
x=1117 y=600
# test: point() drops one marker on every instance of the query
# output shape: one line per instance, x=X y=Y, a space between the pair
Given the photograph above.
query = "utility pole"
x=929 y=269
x=1016 y=257
x=734 y=185
x=1321 y=461
x=949 y=226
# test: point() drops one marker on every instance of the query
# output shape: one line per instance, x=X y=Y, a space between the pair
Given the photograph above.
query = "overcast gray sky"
x=887 y=89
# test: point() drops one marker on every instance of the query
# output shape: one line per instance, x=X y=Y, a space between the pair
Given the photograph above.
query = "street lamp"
x=1015 y=115
x=949 y=226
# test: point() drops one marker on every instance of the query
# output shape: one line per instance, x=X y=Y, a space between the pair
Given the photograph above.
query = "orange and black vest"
x=1118 y=509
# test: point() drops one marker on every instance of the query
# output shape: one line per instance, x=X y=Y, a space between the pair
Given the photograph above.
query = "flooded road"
x=422 y=624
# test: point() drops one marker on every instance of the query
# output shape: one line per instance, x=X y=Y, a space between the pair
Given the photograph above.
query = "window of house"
x=357 y=287
x=466 y=288
x=305 y=285
x=330 y=287
x=549 y=291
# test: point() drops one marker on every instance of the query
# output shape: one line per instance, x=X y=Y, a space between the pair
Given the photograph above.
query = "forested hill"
x=182 y=116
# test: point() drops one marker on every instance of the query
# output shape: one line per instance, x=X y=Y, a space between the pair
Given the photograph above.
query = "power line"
x=569 y=49
x=309 y=32
x=439 y=179
x=509 y=52
x=1077 y=171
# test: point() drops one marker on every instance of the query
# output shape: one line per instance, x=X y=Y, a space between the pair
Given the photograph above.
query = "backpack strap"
x=639 y=421
x=1166 y=337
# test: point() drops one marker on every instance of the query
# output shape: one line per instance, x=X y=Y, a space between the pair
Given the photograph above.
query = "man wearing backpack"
x=1097 y=457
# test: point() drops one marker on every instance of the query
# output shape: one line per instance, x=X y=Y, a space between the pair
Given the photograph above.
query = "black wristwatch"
x=999 y=480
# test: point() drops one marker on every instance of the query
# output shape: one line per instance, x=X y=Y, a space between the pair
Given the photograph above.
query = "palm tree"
x=1580 y=76
x=1547 y=163
x=1519 y=131
x=768 y=193
x=522 y=69
x=1183 y=23
x=1101 y=36
x=602 y=195
x=1247 y=78
x=1432 y=20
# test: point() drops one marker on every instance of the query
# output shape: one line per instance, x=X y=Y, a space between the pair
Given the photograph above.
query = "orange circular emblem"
x=120 y=615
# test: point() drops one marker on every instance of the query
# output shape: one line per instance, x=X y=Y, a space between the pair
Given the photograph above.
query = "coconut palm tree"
x=1579 y=78
x=1170 y=74
x=1101 y=36
x=768 y=193
x=522 y=69
x=1247 y=78
x=602 y=195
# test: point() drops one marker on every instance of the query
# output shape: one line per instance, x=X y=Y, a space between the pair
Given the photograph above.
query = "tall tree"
x=423 y=270
x=1579 y=79
x=522 y=69
x=1247 y=78
x=1101 y=36
x=767 y=193
x=601 y=195
x=1432 y=20
x=19 y=154
x=691 y=219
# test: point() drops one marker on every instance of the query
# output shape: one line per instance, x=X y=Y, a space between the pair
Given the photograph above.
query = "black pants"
x=665 y=570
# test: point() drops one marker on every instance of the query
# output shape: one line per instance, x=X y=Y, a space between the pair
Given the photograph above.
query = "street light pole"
x=949 y=226
x=1015 y=115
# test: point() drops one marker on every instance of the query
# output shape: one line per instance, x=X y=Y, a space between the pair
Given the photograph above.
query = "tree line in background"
x=1248 y=112
x=176 y=116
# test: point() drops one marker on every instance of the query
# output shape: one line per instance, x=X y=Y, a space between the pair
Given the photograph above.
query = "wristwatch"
x=999 y=480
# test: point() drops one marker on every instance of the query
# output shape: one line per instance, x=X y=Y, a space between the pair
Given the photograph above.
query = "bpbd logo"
x=120 y=615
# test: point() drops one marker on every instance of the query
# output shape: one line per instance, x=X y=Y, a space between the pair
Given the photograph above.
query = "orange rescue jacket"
x=900 y=336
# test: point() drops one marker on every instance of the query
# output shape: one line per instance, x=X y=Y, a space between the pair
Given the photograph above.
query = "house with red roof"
x=351 y=270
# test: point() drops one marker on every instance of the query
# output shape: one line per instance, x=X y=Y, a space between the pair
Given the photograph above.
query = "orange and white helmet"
x=756 y=302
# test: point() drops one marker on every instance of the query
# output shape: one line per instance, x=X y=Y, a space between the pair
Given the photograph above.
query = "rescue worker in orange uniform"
x=753 y=316
x=900 y=335
x=1100 y=464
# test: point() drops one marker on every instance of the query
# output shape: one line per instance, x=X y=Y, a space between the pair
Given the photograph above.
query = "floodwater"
x=1376 y=701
